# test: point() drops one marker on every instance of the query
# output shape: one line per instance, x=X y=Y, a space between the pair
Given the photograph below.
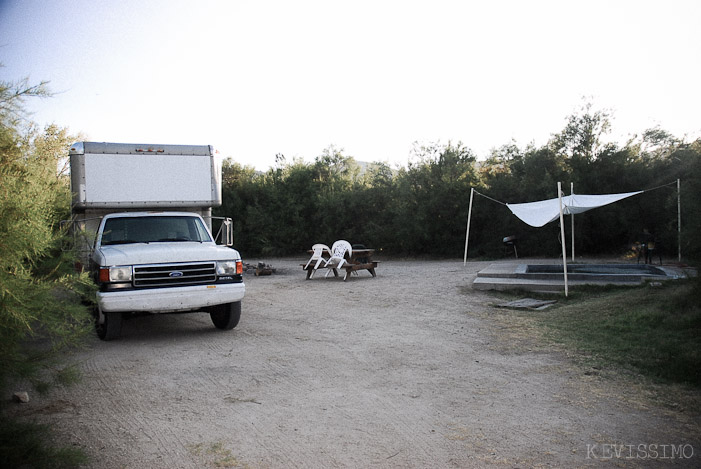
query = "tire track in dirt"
x=134 y=400
x=362 y=398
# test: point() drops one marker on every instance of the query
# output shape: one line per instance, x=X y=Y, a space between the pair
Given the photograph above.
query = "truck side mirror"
x=225 y=236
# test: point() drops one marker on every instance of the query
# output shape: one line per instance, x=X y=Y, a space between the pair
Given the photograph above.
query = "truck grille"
x=174 y=275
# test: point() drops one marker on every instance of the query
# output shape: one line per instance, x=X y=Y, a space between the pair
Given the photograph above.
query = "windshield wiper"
x=121 y=241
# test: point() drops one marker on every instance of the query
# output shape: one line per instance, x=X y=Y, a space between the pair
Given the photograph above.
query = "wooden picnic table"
x=359 y=259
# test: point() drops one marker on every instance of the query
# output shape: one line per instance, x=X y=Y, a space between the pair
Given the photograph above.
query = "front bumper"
x=173 y=299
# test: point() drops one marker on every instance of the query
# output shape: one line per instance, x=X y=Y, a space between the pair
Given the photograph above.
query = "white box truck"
x=144 y=213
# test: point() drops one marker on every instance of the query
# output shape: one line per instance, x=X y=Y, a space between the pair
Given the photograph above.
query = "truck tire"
x=107 y=325
x=226 y=316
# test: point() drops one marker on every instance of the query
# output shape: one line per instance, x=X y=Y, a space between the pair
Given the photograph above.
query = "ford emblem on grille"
x=175 y=273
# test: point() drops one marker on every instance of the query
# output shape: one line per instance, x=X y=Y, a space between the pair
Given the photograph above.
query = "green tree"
x=41 y=313
x=239 y=191
x=13 y=115
x=432 y=199
x=40 y=308
x=581 y=140
x=376 y=196
x=335 y=171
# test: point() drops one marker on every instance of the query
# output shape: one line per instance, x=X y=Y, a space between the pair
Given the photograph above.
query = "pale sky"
x=257 y=78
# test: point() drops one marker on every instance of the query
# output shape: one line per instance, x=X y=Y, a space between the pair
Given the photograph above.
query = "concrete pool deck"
x=547 y=276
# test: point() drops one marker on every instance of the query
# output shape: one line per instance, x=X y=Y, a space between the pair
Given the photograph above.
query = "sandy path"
x=404 y=370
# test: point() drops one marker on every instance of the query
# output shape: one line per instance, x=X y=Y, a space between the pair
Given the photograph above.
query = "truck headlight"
x=116 y=274
x=225 y=268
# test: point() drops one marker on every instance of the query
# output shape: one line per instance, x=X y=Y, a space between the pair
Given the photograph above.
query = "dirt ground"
x=404 y=370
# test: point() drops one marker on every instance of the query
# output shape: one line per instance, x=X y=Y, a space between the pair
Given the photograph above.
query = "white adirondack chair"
x=318 y=251
x=338 y=255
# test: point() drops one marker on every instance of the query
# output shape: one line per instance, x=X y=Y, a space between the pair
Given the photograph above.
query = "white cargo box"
x=130 y=176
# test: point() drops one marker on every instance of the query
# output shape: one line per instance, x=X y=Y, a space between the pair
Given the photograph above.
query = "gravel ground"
x=409 y=369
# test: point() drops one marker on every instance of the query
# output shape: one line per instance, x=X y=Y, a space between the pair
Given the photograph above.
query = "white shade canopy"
x=542 y=212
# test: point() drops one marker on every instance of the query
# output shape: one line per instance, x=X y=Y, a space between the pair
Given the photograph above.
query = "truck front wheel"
x=226 y=316
x=107 y=325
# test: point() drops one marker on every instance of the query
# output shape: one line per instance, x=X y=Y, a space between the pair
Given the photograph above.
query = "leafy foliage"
x=40 y=310
x=41 y=313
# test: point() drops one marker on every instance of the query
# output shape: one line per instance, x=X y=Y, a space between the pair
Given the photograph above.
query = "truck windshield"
x=153 y=229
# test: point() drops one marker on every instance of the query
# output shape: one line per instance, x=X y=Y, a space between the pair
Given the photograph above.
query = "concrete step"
x=537 y=285
x=546 y=278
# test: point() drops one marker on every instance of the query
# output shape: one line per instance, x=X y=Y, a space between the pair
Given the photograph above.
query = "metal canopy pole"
x=679 y=219
x=572 y=215
x=562 y=236
x=469 y=217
